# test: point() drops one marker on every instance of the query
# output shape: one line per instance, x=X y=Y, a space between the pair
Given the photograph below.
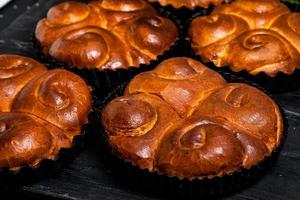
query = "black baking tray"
x=90 y=175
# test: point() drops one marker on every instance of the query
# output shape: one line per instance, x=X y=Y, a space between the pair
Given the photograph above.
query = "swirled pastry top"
x=252 y=35
x=41 y=111
x=182 y=119
x=105 y=34
x=190 y=4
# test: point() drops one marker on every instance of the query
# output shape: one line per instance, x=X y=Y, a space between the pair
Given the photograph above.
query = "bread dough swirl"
x=15 y=73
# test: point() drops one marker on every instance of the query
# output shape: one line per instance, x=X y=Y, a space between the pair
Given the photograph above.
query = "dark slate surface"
x=90 y=176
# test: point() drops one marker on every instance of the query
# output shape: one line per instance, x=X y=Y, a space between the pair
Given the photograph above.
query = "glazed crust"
x=58 y=96
x=42 y=111
x=15 y=73
x=198 y=126
x=136 y=124
x=180 y=82
x=99 y=34
x=252 y=35
x=190 y=4
x=26 y=140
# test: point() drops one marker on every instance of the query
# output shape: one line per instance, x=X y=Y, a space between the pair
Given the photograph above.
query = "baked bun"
x=252 y=35
x=182 y=119
x=190 y=4
x=41 y=111
x=105 y=34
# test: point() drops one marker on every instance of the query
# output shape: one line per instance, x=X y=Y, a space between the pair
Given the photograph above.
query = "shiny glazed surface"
x=182 y=119
x=252 y=35
x=41 y=111
x=105 y=34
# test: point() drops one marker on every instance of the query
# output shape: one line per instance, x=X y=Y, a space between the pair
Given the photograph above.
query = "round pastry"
x=190 y=4
x=258 y=36
x=184 y=120
x=41 y=111
x=105 y=34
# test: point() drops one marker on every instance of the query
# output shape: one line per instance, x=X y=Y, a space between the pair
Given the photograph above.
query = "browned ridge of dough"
x=182 y=119
x=252 y=35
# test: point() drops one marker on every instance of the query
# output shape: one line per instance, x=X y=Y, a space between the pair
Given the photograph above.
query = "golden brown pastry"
x=59 y=96
x=182 y=119
x=26 y=140
x=146 y=37
x=252 y=35
x=136 y=125
x=85 y=42
x=15 y=73
x=41 y=111
x=180 y=82
x=105 y=34
x=64 y=18
x=190 y=4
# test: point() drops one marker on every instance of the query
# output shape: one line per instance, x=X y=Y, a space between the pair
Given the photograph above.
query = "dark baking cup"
x=171 y=187
x=279 y=84
x=13 y=180
x=104 y=81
